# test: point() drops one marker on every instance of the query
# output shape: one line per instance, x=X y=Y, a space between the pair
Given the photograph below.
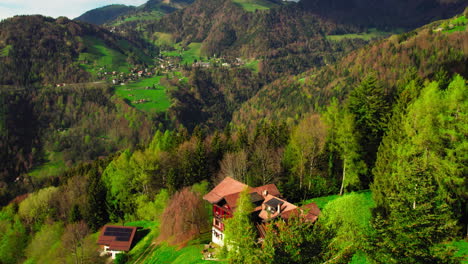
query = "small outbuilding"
x=116 y=239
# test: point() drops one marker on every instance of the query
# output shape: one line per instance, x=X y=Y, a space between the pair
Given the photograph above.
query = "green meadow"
x=99 y=55
x=163 y=39
x=456 y=24
x=372 y=33
x=252 y=5
x=188 y=55
x=5 y=51
x=156 y=98
x=252 y=65
x=140 y=17
x=54 y=166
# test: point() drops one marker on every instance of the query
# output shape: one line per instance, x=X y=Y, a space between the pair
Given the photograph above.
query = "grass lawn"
x=54 y=166
x=157 y=99
x=252 y=5
x=171 y=255
x=371 y=34
x=462 y=246
x=322 y=201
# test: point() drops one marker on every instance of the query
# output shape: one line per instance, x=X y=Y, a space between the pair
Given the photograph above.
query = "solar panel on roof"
x=118 y=232
x=123 y=238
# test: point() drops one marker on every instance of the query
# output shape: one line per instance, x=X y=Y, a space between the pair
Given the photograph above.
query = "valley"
x=127 y=118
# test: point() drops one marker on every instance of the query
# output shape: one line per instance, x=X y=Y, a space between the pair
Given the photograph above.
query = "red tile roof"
x=309 y=211
x=224 y=188
x=110 y=236
x=285 y=207
x=270 y=188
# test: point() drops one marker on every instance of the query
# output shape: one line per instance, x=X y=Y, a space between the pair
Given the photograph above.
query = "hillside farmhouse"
x=268 y=205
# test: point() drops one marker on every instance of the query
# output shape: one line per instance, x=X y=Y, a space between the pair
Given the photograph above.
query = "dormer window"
x=274 y=205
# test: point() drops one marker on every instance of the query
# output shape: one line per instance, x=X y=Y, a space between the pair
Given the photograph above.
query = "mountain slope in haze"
x=223 y=27
x=289 y=39
x=424 y=53
x=386 y=13
x=290 y=35
x=121 y=14
x=105 y=14
x=43 y=50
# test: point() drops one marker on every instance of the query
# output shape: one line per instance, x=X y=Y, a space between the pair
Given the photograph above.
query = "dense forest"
x=373 y=130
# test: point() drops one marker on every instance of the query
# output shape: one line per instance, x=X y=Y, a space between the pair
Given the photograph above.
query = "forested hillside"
x=298 y=95
x=46 y=51
x=387 y=13
x=105 y=14
x=423 y=53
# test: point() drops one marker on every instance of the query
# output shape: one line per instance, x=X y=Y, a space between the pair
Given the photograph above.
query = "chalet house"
x=116 y=239
x=267 y=201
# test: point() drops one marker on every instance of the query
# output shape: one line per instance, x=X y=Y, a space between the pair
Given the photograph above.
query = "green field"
x=462 y=252
x=140 y=17
x=322 y=201
x=99 y=55
x=252 y=5
x=369 y=35
x=157 y=98
x=252 y=65
x=456 y=24
x=188 y=55
x=5 y=51
x=147 y=251
x=171 y=255
x=53 y=167
x=163 y=39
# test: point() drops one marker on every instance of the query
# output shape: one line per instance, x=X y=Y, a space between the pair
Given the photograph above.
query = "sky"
x=56 y=8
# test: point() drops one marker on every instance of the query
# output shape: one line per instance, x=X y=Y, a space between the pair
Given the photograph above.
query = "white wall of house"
x=112 y=252
x=217 y=236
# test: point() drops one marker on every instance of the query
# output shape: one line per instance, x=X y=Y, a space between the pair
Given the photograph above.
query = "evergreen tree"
x=344 y=140
x=240 y=234
x=369 y=105
x=291 y=241
x=96 y=214
x=420 y=188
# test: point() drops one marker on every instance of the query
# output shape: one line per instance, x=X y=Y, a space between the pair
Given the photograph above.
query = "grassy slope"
x=252 y=5
x=146 y=251
x=158 y=100
x=188 y=55
x=146 y=16
x=5 y=51
x=164 y=39
x=54 y=166
x=462 y=247
x=459 y=24
x=169 y=254
x=252 y=65
x=371 y=34
x=99 y=55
